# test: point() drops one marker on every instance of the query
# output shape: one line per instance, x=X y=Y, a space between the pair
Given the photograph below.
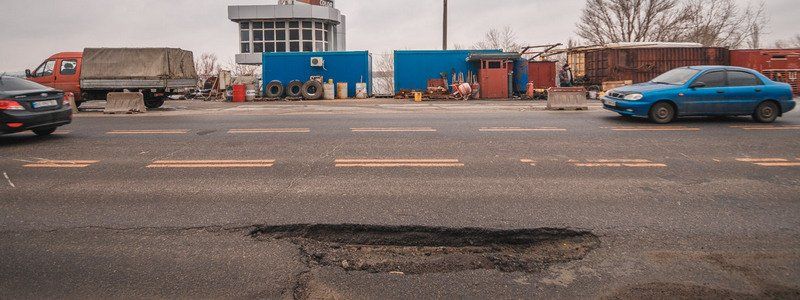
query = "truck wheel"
x=44 y=131
x=155 y=103
x=294 y=89
x=312 y=90
x=274 y=89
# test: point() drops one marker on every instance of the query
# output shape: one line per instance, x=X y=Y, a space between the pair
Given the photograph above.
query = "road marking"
x=212 y=164
x=394 y=129
x=528 y=161
x=767 y=127
x=62 y=132
x=9 y=180
x=270 y=130
x=397 y=163
x=771 y=162
x=519 y=129
x=655 y=128
x=61 y=164
x=166 y=131
x=617 y=163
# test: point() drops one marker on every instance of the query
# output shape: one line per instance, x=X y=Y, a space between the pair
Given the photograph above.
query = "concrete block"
x=124 y=103
x=567 y=99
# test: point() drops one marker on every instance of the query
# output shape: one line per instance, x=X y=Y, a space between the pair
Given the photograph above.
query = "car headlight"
x=633 y=97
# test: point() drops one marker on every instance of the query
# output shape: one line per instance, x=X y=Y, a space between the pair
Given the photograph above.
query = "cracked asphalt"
x=162 y=205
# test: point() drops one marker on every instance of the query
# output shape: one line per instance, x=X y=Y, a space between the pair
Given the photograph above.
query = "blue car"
x=703 y=91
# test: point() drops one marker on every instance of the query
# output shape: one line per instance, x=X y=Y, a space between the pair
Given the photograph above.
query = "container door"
x=67 y=76
x=494 y=79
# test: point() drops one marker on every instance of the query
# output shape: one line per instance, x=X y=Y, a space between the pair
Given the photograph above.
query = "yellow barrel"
x=417 y=97
x=341 y=90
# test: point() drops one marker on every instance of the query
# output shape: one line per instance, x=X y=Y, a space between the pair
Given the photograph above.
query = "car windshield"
x=10 y=84
x=676 y=76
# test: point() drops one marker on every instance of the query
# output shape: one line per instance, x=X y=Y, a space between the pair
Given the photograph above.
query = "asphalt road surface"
x=168 y=204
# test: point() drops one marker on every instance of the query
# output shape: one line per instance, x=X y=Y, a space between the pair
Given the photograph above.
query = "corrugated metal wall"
x=778 y=64
x=542 y=74
x=413 y=68
x=642 y=65
x=351 y=67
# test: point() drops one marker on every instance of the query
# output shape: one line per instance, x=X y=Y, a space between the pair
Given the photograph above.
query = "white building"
x=289 y=26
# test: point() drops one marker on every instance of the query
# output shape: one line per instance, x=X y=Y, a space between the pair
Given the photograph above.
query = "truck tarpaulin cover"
x=141 y=63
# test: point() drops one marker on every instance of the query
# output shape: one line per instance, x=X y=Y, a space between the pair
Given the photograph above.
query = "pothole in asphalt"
x=419 y=250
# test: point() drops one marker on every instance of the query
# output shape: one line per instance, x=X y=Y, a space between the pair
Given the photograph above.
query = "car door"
x=707 y=98
x=745 y=91
x=45 y=74
x=67 y=77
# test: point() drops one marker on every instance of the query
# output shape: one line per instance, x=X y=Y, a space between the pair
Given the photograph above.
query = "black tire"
x=274 y=89
x=766 y=112
x=294 y=89
x=155 y=103
x=312 y=90
x=44 y=131
x=662 y=113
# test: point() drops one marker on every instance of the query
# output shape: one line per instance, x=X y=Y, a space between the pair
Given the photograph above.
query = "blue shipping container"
x=412 y=69
x=351 y=67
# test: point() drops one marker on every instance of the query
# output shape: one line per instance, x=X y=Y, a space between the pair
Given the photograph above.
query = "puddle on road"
x=419 y=250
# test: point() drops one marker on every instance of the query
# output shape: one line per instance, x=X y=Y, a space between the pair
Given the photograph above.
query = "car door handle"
x=758 y=90
x=720 y=92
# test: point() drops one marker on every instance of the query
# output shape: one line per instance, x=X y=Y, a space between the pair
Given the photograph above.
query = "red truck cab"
x=61 y=71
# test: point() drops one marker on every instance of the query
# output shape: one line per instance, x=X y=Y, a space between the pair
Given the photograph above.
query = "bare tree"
x=383 y=77
x=505 y=39
x=206 y=65
x=709 y=22
x=241 y=70
x=790 y=43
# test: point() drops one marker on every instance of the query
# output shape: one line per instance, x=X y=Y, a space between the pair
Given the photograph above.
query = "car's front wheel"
x=662 y=113
x=766 y=112
x=44 y=131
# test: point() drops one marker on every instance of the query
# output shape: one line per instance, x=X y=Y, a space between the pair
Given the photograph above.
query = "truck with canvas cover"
x=155 y=72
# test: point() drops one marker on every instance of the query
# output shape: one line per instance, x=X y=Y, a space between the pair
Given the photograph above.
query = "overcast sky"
x=32 y=30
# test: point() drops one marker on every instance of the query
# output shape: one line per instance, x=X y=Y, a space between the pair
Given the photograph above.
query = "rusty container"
x=644 y=64
x=782 y=65
x=542 y=74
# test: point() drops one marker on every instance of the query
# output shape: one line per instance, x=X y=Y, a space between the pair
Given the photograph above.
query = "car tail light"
x=14 y=125
x=10 y=105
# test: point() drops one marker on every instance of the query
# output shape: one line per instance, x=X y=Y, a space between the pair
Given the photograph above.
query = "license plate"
x=610 y=102
x=40 y=104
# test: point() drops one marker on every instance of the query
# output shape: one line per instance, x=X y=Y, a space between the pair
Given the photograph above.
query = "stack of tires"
x=295 y=90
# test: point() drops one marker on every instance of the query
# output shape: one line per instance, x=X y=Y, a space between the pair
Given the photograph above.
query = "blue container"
x=412 y=69
x=520 y=76
x=351 y=67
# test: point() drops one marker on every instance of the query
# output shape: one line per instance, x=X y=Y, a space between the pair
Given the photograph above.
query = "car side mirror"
x=697 y=85
x=28 y=73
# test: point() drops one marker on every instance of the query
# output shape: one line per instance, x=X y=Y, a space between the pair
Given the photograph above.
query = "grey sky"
x=31 y=30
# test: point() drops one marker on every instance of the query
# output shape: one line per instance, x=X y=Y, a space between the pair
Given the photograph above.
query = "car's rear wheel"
x=662 y=113
x=44 y=131
x=766 y=112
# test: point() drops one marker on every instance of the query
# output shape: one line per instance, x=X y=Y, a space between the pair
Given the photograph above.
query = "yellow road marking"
x=655 y=128
x=211 y=163
x=386 y=163
x=170 y=131
x=61 y=164
x=519 y=129
x=270 y=130
x=394 y=129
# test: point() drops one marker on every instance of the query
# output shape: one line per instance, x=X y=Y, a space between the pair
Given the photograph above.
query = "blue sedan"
x=703 y=91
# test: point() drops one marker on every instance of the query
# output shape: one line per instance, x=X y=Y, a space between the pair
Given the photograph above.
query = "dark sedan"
x=26 y=105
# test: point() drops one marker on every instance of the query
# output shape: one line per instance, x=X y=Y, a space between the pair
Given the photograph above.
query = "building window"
x=279 y=36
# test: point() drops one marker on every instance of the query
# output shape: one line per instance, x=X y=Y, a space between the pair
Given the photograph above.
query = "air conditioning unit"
x=317 y=62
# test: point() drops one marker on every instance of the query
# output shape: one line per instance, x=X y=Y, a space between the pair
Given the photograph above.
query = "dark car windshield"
x=676 y=76
x=10 y=84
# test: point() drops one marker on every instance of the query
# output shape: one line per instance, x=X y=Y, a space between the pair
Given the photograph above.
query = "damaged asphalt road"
x=510 y=214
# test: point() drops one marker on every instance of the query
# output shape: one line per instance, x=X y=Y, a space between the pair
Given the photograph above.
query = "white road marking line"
x=60 y=132
x=767 y=127
x=655 y=128
x=528 y=161
x=61 y=164
x=617 y=163
x=212 y=164
x=394 y=129
x=170 y=131
x=270 y=130
x=753 y=160
x=779 y=164
x=387 y=163
x=519 y=129
x=9 y=180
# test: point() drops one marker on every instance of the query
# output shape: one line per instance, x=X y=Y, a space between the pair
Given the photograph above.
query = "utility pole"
x=444 y=27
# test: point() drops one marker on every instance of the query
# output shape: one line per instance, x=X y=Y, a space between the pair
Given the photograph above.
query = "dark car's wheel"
x=662 y=113
x=154 y=103
x=44 y=131
x=766 y=112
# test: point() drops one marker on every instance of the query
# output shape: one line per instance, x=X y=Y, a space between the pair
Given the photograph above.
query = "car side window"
x=740 y=78
x=68 y=67
x=46 y=69
x=712 y=79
